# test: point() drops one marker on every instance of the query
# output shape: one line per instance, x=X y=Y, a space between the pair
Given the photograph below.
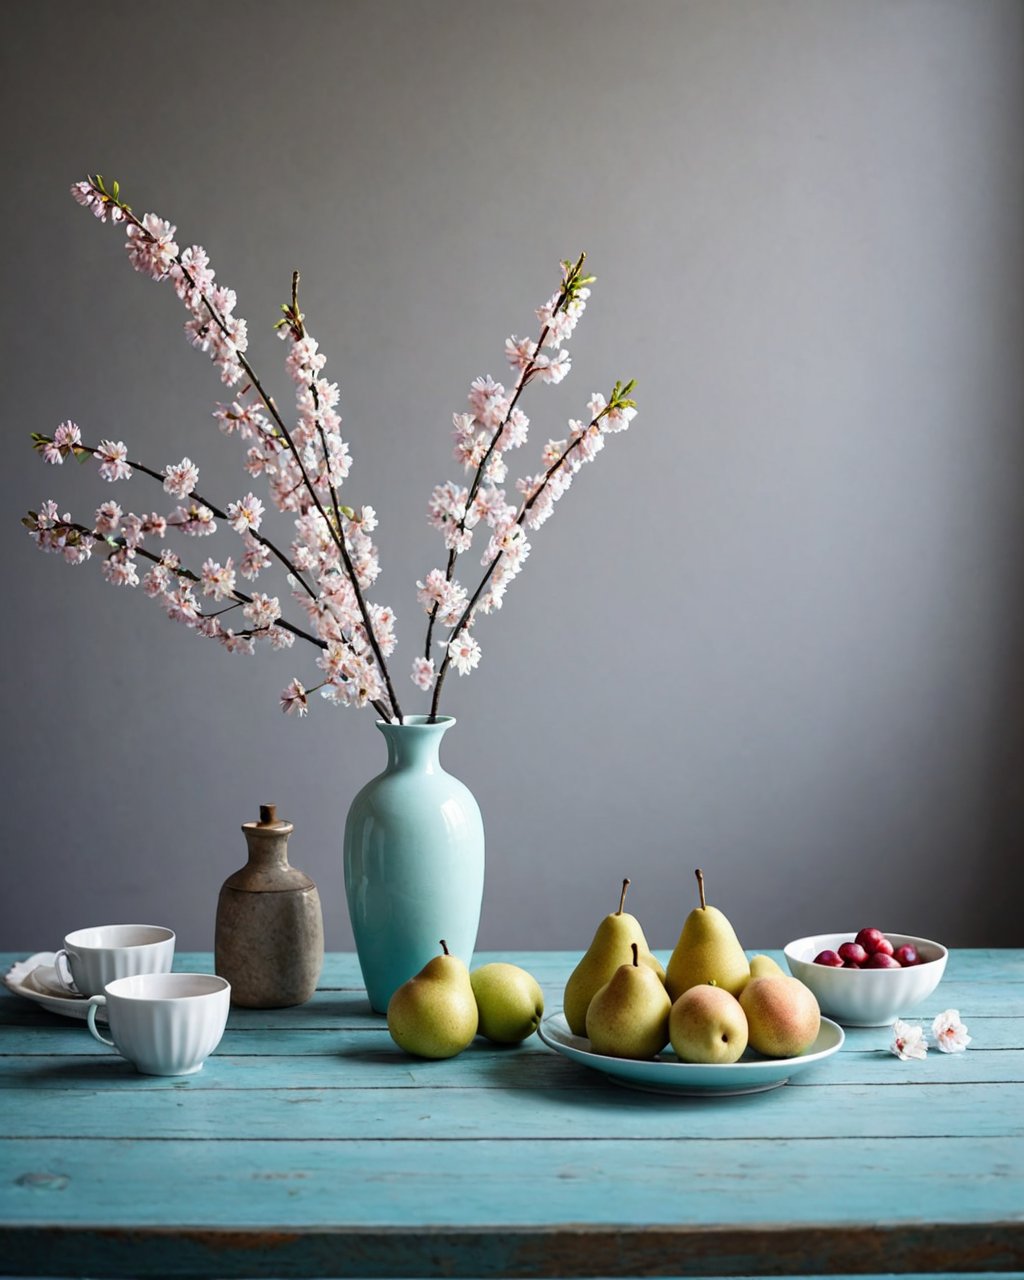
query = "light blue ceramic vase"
x=414 y=861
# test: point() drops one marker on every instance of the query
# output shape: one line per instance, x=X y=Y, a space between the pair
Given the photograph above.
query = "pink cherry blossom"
x=218 y=580
x=464 y=652
x=108 y=516
x=209 y=627
x=195 y=519
x=245 y=514
x=553 y=369
x=293 y=699
x=422 y=672
x=132 y=531
x=236 y=643
x=255 y=559
x=120 y=570
x=520 y=351
x=156 y=581
x=154 y=525
x=181 y=478
x=112 y=456
x=65 y=438
x=101 y=205
x=516 y=430
x=192 y=276
x=151 y=247
x=262 y=611
x=181 y=604
x=449 y=598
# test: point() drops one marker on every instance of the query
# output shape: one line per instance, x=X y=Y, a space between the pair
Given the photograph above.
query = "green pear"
x=707 y=951
x=434 y=1015
x=509 y=1002
x=628 y=1017
x=609 y=949
x=707 y=1024
x=765 y=967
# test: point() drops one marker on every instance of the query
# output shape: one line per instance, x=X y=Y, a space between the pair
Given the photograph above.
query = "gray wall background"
x=776 y=630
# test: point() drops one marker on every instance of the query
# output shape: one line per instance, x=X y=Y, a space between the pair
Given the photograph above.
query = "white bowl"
x=866 y=997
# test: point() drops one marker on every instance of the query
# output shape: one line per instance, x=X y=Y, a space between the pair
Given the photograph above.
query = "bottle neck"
x=268 y=845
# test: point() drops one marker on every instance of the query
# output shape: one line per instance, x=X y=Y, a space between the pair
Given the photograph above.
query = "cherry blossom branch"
x=618 y=401
x=337 y=534
x=572 y=282
x=296 y=321
x=179 y=571
x=81 y=447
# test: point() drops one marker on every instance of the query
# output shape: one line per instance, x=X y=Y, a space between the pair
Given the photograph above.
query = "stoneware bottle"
x=414 y=861
x=269 y=941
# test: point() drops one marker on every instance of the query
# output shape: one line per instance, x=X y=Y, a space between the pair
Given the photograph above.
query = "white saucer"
x=36 y=979
x=666 y=1074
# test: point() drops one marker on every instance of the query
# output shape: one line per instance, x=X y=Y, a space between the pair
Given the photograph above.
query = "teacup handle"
x=62 y=969
x=94 y=1004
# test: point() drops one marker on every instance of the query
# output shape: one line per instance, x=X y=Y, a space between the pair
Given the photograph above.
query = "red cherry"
x=829 y=958
x=880 y=960
x=907 y=955
x=873 y=940
x=851 y=964
x=853 y=952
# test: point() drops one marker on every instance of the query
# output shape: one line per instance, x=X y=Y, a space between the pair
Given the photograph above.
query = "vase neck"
x=416 y=743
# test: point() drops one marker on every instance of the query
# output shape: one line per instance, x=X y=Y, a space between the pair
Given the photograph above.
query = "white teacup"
x=165 y=1024
x=93 y=957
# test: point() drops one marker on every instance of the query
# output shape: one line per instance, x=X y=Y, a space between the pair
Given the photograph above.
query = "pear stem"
x=700 y=885
x=444 y=947
x=622 y=897
x=636 y=955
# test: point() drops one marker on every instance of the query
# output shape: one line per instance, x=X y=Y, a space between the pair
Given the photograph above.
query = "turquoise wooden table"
x=310 y=1145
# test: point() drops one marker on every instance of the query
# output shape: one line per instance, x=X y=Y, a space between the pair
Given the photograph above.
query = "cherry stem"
x=622 y=898
x=700 y=885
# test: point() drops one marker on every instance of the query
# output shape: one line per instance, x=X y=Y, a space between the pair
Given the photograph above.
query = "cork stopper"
x=269 y=824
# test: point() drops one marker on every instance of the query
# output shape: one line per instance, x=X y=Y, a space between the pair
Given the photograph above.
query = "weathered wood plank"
x=356 y=1060
x=49 y=1036
x=697 y=1207
x=566 y=1251
x=468 y=1183
x=587 y=1108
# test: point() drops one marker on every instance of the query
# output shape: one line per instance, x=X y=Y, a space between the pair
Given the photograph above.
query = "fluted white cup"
x=165 y=1024
x=93 y=957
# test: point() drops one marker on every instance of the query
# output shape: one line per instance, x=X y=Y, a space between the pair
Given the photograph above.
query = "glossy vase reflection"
x=414 y=861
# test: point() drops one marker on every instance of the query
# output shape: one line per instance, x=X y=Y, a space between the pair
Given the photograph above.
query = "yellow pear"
x=628 y=1017
x=765 y=967
x=434 y=1014
x=609 y=949
x=707 y=951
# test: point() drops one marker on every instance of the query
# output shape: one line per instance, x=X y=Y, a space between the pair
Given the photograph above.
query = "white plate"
x=36 y=980
x=666 y=1074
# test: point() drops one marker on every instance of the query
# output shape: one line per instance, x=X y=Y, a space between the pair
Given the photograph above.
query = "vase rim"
x=418 y=722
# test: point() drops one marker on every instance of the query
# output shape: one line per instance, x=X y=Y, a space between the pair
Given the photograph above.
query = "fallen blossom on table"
x=907 y=1041
x=950 y=1033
